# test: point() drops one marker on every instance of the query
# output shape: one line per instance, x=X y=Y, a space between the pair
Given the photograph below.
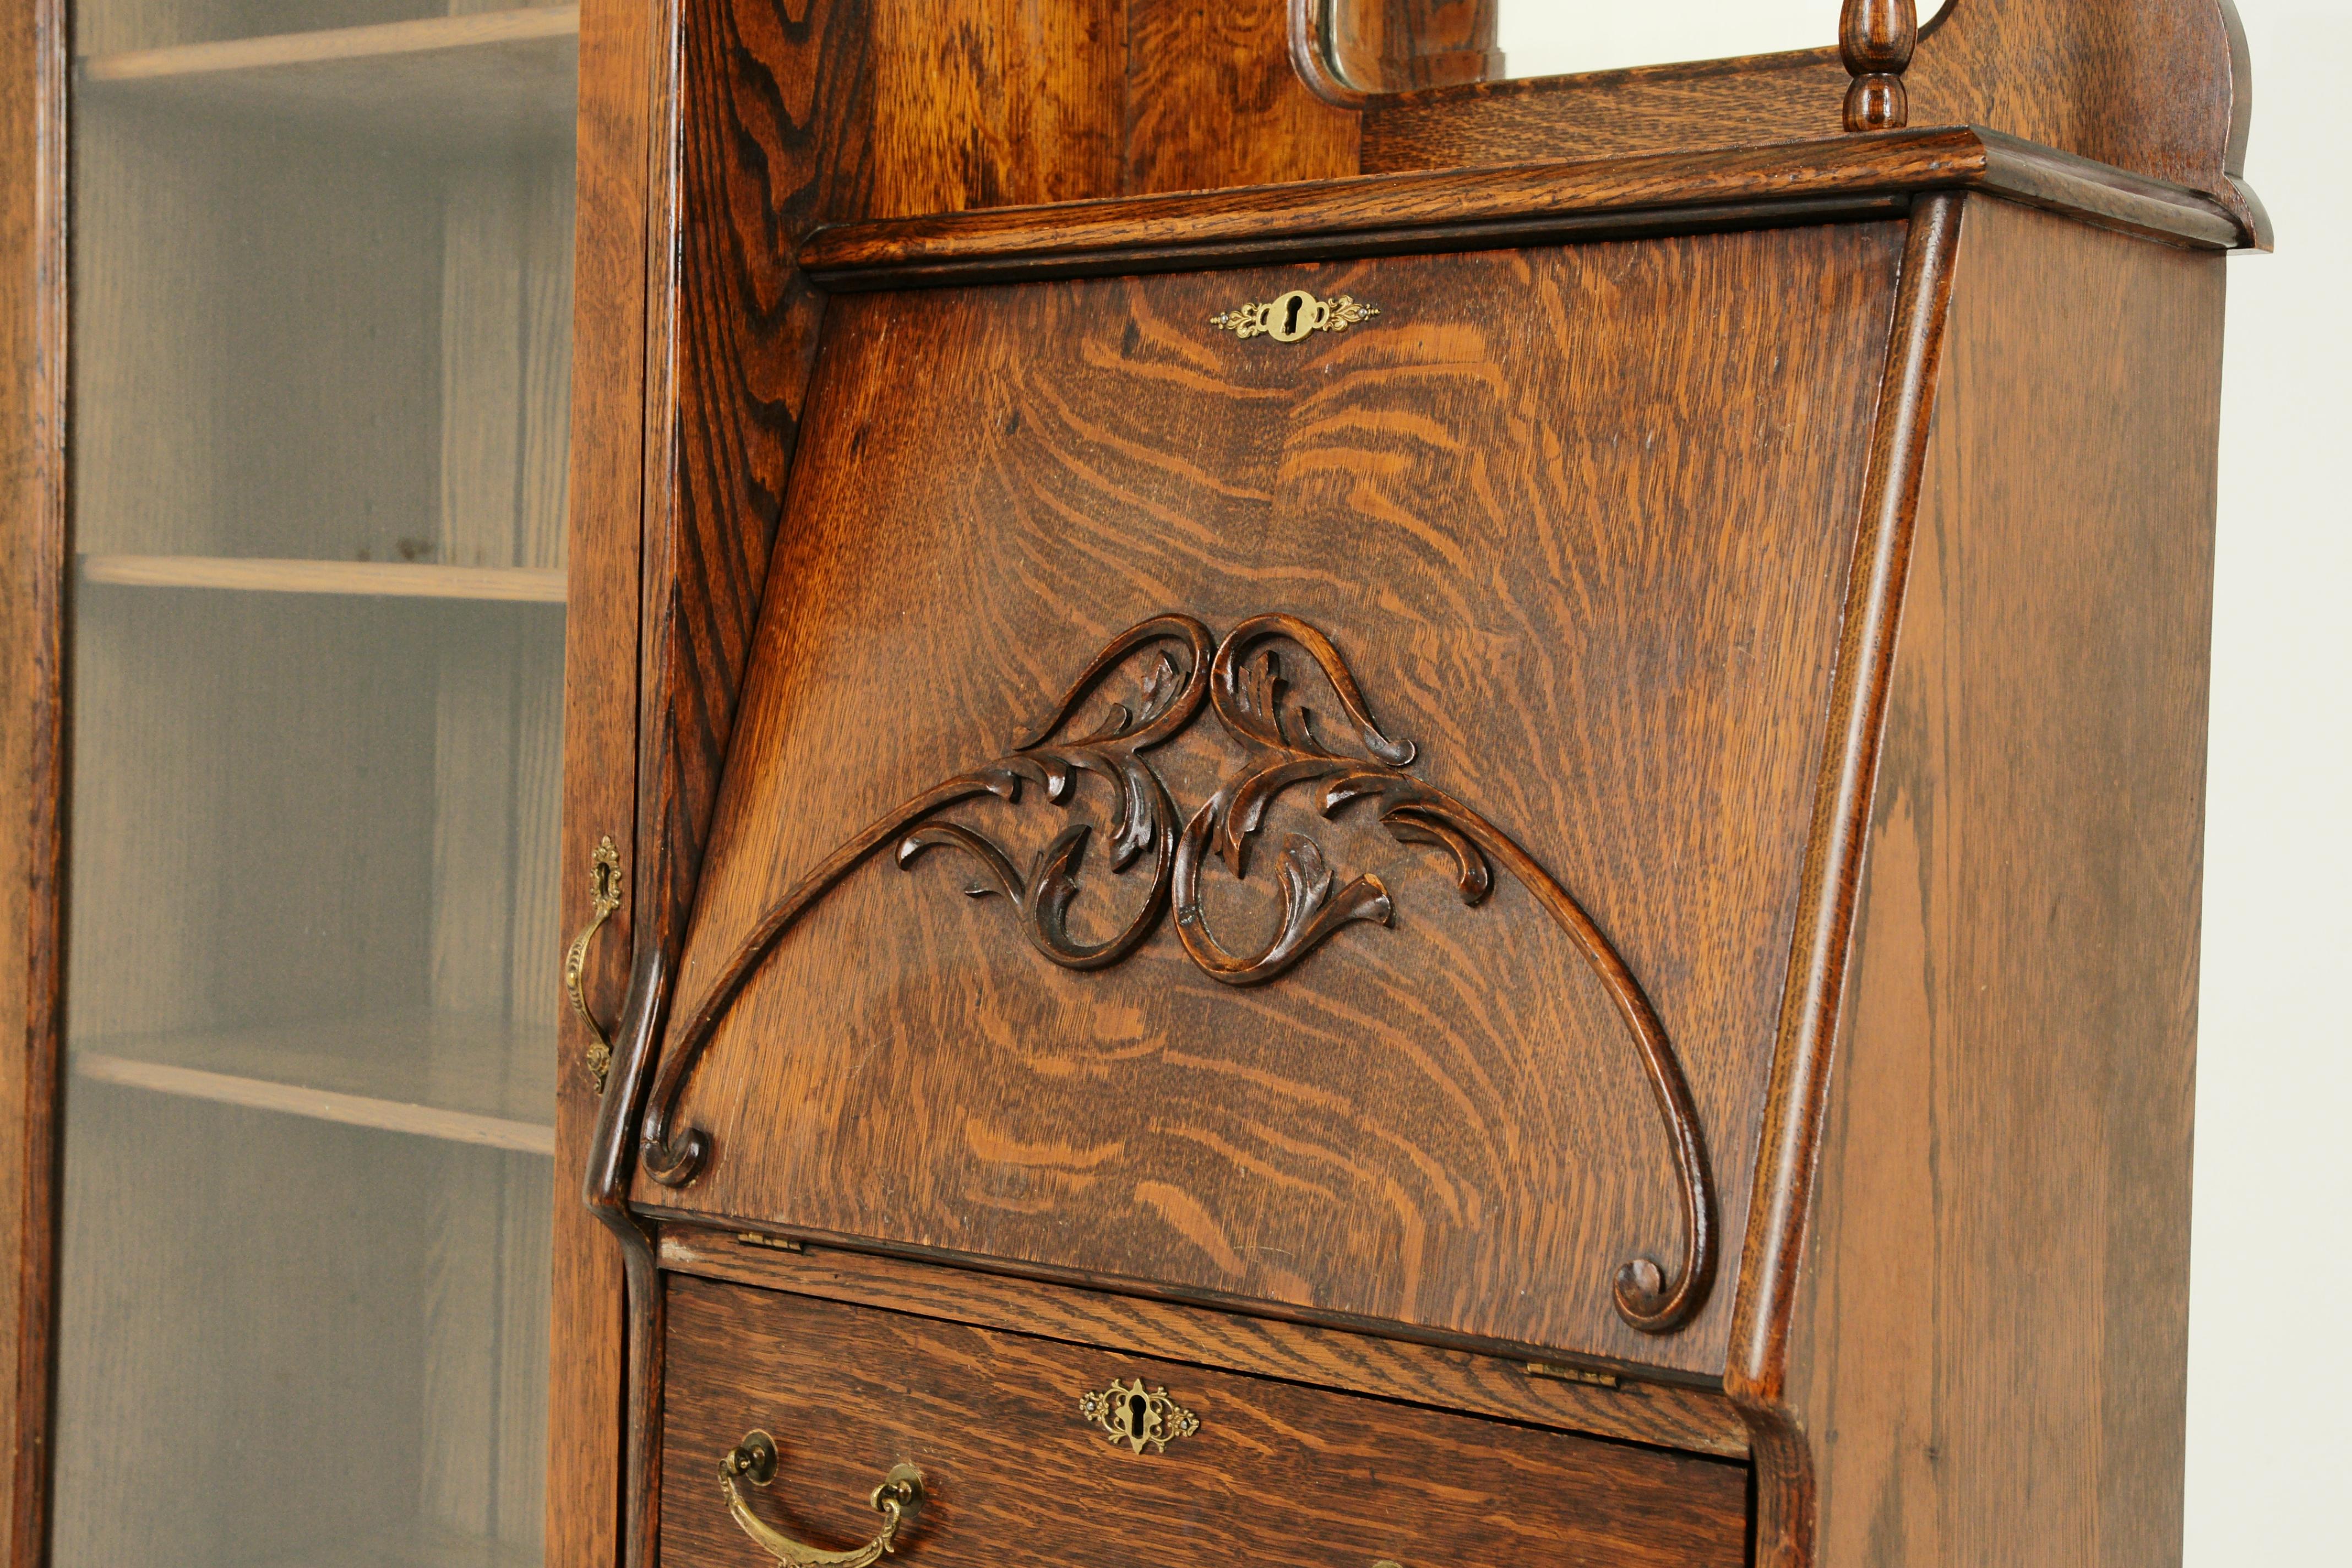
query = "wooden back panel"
x=1578 y=521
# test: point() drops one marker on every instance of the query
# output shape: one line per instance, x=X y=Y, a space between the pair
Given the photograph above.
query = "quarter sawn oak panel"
x=1659 y=1415
x=2004 y=1169
x=1597 y=589
x=1278 y=1476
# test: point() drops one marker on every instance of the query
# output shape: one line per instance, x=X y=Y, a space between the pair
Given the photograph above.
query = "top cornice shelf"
x=1461 y=209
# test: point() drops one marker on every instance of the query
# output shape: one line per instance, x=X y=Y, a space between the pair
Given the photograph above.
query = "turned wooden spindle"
x=1877 y=38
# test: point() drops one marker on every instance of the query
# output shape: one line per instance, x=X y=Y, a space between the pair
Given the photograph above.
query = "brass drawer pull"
x=896 y=1500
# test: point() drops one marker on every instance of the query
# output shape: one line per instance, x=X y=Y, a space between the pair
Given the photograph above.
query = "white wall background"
x=2269 y=1400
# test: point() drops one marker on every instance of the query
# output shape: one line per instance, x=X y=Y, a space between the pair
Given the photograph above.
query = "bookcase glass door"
x=322 y=305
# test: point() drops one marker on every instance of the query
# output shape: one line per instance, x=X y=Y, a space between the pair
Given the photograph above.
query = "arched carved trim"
x=1241 y=680
x=1171 y=699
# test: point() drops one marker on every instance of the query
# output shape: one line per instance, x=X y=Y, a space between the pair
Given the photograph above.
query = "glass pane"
x=322 y=309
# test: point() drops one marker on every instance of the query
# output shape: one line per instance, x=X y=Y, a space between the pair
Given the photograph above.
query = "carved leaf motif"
x=996 y=868
x=1306 y=878
x=1472 y=879
x=1251 y=699
x=1160 y=689
x=1262 y=697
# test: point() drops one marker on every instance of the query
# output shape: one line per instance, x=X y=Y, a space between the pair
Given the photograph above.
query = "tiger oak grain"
x=1597 y=590
x=1277 y=1475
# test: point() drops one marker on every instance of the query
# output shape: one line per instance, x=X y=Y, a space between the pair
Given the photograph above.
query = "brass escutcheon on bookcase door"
x=605 y=890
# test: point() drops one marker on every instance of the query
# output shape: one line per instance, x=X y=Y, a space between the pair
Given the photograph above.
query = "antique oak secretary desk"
x=1315 y=809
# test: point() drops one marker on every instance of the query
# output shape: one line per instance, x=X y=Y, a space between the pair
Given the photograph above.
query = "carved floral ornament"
x=1179 y=667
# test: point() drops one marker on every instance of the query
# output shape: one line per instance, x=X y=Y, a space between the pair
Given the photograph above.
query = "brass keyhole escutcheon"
x=1138 y=1417
x=1297 y=314
x=1290 y=317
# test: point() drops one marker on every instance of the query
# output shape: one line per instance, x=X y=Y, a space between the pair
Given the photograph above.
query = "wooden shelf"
x=375 y=579
x=427 y=1548
x=476 y=79
x=458 y=1079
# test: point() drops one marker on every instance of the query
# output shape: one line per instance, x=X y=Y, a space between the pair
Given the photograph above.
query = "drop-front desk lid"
x=1280 y=774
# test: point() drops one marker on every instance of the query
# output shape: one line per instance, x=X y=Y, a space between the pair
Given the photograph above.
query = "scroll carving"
x=1241 y=680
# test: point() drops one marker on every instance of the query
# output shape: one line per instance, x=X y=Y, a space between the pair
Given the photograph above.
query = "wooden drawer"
x=1274 y=1476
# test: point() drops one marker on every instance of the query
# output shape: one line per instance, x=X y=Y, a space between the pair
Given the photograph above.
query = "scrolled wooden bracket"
x=1876 y=39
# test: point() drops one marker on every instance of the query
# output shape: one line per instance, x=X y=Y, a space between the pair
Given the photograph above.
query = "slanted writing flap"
x=1547 y=554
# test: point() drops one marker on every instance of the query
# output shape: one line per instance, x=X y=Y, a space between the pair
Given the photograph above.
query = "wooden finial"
x=1877 y=38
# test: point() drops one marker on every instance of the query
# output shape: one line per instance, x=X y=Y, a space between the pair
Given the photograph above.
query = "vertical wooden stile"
x=32 y=752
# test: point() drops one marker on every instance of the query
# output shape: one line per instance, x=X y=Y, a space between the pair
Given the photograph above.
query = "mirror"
x=1394 y=45
x=1562 y=38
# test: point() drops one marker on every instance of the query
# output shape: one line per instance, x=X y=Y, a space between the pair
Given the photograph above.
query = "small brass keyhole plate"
x=1289 y=318
x=1138 y=1417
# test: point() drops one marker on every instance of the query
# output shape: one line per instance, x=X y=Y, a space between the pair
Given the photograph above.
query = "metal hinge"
x=1572 y=1374
x=774 y=1243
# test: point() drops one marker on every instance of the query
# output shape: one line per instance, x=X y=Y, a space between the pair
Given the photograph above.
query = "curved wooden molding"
x=1182 y=668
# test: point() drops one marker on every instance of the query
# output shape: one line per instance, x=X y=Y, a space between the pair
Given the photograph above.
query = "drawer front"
x=1274 y=1476
x=1559 y=540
